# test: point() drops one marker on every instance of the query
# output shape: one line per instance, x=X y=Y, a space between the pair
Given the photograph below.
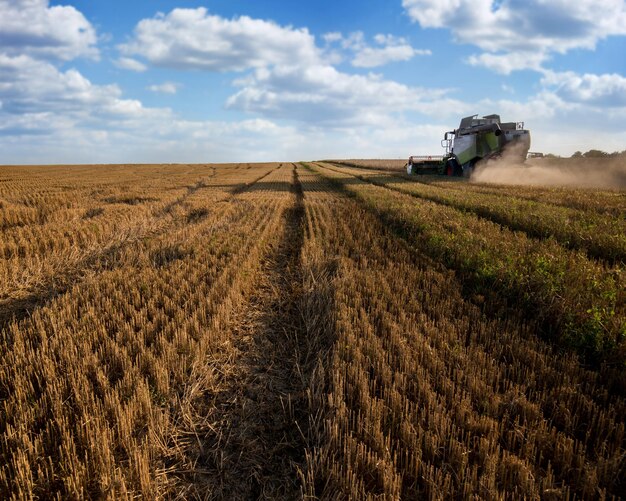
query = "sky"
x=161 y=81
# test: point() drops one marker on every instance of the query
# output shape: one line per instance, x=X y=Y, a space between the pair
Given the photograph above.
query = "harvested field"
x=394 y=165
x=308 y=331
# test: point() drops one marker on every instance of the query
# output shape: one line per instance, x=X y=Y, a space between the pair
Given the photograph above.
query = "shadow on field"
x=495 y=299
x=267 y=417
x=19 y=308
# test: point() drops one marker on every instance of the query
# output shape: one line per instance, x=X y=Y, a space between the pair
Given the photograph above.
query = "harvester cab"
x=476 y=139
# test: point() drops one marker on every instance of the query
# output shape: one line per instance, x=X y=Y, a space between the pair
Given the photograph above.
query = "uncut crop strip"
x=602 y=236
x=582 y=303
x=602 y=202
x=76 y=248
x=427 y=397
x=120 y=357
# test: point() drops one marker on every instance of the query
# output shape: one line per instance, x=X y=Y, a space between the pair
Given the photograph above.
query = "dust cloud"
x=601 y=173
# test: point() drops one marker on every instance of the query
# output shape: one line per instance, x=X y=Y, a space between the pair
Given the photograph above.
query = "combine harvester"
x=475 y=140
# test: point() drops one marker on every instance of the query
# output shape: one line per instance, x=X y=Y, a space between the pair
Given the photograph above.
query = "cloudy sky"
x=233 y=80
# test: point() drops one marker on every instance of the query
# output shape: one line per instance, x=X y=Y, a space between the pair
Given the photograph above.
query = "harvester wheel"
x=451 y=167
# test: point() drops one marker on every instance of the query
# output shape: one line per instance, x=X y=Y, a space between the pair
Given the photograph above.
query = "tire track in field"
x=98 y=260
x=246 y=186
x=609 y=255
x=257 y=446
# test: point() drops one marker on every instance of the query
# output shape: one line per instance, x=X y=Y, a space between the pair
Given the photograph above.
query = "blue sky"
x=229 y=80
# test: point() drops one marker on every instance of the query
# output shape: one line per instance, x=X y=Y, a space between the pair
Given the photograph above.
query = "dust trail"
x=606 y=173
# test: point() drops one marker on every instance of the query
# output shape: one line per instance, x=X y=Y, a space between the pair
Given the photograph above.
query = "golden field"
x=308 y=331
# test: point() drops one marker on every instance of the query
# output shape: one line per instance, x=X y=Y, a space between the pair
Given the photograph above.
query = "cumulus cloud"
x=128 y=63
x=333 y=36
x=164 y=88
x=195 y=39
x=39 y=97
x=288 y=80
x=322 y=94
x=155 y=141
x=607 y=90
x=507 y=63
x=289 y=77
x=518 y=35
x=33 y=27
x=388 y=49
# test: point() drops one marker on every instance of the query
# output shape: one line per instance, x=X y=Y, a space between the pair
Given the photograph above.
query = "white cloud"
x=177 y=140
x=390 y=49
x=39 y=94
x=292 y=77
x=517 y=35
x=149 y=140
x=509 y=62
x=128 y=63
x=331 y=37
x=432 y=14
x=164 y=88
x=71 y=119
x=195 y=39
x=371 y=57
x=33 y=27
x=608 y=90
x=322 y=94
x=48 y=114
x=387 y=49
x=556 y=127
x=45 y=109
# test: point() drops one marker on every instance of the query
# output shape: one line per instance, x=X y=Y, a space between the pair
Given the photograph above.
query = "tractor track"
x=103 y=259
x=245 y=186
x=259 y=418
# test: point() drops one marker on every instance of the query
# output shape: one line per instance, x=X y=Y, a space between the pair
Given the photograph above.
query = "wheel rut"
x=260 y=411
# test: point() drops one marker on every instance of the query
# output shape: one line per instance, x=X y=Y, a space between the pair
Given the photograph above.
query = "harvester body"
x=476 y=139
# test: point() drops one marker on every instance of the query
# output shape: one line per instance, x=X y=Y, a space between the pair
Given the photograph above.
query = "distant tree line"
x=590 y=154
x=598 y=154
